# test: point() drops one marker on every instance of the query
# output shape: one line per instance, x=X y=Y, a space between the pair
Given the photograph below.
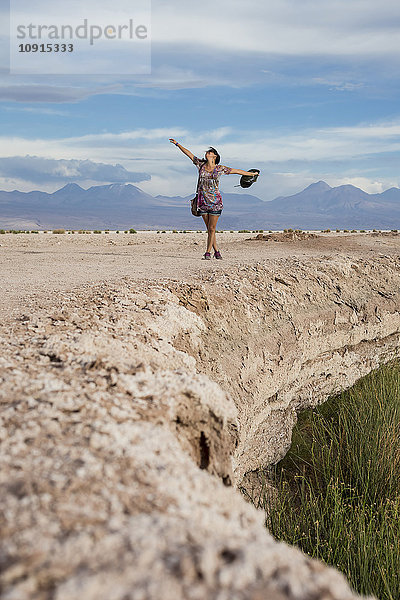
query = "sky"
x=304 y=90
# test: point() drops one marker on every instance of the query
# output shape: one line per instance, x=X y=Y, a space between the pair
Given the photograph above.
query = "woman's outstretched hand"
x=182 y=149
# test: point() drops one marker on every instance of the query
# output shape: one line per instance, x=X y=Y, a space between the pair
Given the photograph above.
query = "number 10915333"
x=45 y=48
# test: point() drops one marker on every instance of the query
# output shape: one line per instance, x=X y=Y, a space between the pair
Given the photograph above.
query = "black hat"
x=247 y=180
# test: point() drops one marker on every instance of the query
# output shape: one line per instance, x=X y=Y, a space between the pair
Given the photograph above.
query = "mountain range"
x=121 y=206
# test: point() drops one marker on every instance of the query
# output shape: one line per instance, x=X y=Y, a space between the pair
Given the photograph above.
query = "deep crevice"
x=204 y=451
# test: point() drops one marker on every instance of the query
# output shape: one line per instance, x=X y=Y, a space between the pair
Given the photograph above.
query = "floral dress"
x=208 y=195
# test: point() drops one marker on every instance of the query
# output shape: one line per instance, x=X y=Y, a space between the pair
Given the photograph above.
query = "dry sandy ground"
x=34 y=267
x=123 y=407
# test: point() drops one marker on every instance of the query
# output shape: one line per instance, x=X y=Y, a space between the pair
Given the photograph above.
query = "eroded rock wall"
x=284 y=338
x=128 y=411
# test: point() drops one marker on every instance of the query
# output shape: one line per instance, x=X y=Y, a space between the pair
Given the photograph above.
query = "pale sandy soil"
x=128 y=395
x=33 y=267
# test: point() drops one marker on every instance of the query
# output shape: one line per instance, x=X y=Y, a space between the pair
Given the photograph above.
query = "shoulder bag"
x=193 y=202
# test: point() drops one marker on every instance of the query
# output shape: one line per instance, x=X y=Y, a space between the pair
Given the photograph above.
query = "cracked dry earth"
x=131 y=410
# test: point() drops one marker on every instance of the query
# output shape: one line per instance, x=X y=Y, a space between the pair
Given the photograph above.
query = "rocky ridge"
x=129 y=410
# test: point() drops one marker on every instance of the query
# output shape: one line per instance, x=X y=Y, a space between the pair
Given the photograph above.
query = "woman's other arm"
x=240 y=172
x=184 y=150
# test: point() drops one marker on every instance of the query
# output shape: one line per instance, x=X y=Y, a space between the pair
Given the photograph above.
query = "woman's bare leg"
x=205 y=219
x=211 y=227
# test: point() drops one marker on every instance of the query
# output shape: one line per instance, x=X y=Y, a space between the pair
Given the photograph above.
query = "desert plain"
x=35 y=266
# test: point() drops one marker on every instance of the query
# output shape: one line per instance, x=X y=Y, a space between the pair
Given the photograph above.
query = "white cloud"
x=36 y=110
x=235 y=43
x=370 y=186
x=46 y=92
x=100 y=139
x=288 y=27
x=287 y=159
x=338 y=84
x=41 y=170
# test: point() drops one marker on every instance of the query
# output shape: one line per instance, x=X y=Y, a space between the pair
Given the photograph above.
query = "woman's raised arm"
x=184 y=150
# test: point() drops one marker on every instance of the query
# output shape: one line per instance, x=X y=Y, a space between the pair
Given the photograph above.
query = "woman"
x=209 y=199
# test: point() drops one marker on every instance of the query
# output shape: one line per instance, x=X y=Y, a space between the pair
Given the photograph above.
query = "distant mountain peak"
x=349 y=186
x=116 y=186
x=70 y=189
x=319 y=185
x=71 y=186
x=120 y=187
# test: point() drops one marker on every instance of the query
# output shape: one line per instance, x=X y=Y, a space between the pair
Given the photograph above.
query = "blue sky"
x=302 y=89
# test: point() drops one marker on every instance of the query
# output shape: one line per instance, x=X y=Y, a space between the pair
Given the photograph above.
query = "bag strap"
x=198 y=179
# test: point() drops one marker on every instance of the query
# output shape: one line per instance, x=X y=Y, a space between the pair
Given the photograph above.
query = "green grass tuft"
x=339 y=485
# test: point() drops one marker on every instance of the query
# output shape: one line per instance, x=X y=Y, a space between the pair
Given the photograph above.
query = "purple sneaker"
x=217 y=254
x=207 y=256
